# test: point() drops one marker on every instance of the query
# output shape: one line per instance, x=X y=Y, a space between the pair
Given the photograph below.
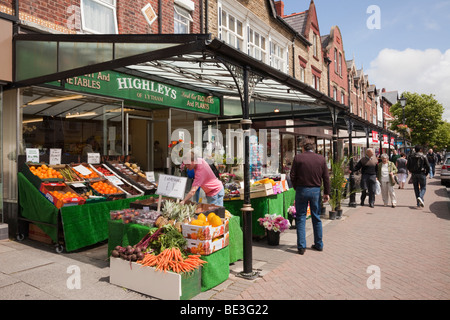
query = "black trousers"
x=368 y=187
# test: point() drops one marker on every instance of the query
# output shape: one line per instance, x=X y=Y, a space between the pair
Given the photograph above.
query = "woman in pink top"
x=205 y=179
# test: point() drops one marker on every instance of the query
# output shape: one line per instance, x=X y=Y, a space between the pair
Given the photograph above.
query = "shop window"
x=66 y=121
x=231 y=30
x=99 y=16
x=182 y=20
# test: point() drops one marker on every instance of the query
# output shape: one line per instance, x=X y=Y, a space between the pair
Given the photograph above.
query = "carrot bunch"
x=172 y=260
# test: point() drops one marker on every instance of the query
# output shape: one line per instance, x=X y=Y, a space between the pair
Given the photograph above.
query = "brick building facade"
x=333 y=48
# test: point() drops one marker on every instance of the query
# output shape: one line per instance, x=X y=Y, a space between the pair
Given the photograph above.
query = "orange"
x=201 y=217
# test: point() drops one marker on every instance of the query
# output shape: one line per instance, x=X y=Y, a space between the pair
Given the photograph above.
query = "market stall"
x=267 y=196
x=74 y=210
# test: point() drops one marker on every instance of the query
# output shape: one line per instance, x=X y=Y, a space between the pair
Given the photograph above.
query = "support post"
x=352 y=202
x=247 y=209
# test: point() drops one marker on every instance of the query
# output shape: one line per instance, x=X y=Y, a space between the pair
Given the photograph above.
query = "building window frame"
x=257 y=44
x=230 y=33
x=182 y=20
x=109 y=5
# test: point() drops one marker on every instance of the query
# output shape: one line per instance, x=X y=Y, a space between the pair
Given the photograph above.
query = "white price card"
x=93 y=158
x=32 y=155
x=82 y=170
x=114 y=180
x=55 y=156
x=150 y=175
x=171 y=186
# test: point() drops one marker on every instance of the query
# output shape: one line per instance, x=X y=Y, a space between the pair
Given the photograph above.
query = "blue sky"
x=409 y=52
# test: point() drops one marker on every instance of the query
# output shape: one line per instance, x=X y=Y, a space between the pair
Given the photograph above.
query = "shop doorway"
x=145 y=140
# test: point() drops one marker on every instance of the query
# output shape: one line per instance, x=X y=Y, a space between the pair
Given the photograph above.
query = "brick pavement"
x=408 y=246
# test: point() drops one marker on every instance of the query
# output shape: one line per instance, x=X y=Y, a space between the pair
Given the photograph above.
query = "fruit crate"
x=146 y=280
x=35 y=180
x=48 y=187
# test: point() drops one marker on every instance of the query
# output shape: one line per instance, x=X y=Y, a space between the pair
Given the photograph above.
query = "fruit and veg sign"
x=171 y=186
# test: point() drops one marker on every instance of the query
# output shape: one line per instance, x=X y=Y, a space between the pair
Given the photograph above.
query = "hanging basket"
x=273 y=238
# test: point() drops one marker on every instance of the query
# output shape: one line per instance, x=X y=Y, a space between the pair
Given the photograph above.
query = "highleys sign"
x=131 y=88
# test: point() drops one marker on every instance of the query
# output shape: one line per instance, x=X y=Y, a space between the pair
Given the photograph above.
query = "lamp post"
x=403 y=104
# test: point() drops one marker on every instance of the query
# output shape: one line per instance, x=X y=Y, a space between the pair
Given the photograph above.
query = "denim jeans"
x=303 y=196
x=419 y=181
x=217 y=199
x=432 y=170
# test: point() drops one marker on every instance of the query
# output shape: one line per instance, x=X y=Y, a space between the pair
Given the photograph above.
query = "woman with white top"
x=386 y=172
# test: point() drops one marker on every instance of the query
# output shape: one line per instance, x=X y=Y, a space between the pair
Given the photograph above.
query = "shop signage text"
x=131 y=88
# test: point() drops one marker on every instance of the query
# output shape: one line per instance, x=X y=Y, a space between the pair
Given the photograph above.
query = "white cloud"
x=421 y=71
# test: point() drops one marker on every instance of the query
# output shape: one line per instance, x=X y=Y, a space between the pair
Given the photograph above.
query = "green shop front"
x=124 y=93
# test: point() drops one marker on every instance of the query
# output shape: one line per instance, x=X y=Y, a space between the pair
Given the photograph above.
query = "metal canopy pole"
x=352 y=202
x=247 y=207
x=246 y=83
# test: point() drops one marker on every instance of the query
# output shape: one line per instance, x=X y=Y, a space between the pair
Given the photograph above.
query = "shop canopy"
x=191 y=61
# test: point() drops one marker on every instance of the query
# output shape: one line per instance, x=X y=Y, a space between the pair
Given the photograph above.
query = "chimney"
x=279 y=6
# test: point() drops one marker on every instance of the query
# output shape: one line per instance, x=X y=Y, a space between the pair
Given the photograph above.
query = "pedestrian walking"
x=402 y=171
x=309 y=171
x=369 y=168
x=419 y=167
x=394 y=156
x=432 y=160
x=385 y=174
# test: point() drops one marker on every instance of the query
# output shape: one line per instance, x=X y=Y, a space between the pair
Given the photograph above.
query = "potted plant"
x=274 y=225
x=338 y=184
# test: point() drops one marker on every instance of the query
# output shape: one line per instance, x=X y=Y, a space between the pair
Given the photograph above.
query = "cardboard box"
x=161 y=285
x=190 y=231
x=36 y=233
x=47 y=188
x=258 y=191
x=206 y=247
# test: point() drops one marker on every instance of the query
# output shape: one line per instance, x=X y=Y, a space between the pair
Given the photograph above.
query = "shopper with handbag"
x=385 y=174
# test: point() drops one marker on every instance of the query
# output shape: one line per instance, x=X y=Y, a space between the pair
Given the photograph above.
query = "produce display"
x=126 y=215
x=45 y=172
x=211 y=220
x=92 y=175
x=135 y=168
x=100 y=168
x=68 y=174
x=103 y=187
x=84 y=191
x=163 y=249
x=63 y=196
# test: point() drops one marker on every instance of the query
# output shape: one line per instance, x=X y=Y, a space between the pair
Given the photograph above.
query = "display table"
x=213 y=273
x=81 y=225
x=277 y=204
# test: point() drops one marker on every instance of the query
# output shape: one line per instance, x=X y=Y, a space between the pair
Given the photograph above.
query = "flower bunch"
x=292 y=211
x=175 y=142
x=274 y=222
x=226 y=177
